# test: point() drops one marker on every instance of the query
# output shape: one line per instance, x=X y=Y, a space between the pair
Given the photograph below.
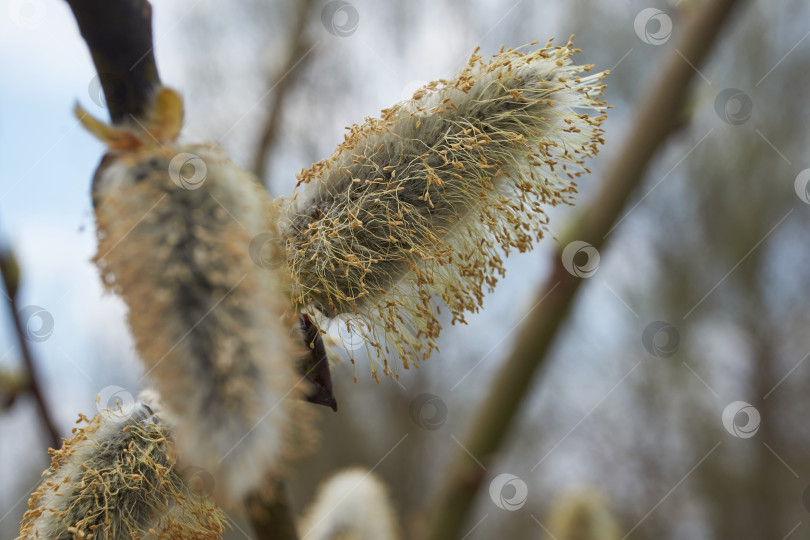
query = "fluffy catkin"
x=352 y=505
x=424 y=201
x=116 y=477
x=189 y=241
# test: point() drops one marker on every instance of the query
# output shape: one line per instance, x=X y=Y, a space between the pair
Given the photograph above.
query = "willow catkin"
x=582 y=515
x=425 y=200
x=354 y=504
x=117 y=477
x=189 y=241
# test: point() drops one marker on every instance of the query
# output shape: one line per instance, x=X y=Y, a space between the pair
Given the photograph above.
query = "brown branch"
x=656 y=116
x=297 y=48
x=269 y=512
x=11 y=277
x=119 y=36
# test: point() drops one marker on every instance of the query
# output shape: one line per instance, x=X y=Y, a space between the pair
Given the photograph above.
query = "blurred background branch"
x=11 y=281
x=285 y=80
x=656 y=117
x=269 y=512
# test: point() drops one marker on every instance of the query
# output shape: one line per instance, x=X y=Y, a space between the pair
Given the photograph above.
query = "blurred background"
x=677 y=388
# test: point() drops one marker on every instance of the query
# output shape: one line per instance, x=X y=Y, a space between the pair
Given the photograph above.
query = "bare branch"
x=656 y=116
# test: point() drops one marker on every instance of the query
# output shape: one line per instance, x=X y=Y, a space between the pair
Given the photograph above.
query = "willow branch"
x=119 y=36
x=297 y=48
x=656 y=116
x=11 y=275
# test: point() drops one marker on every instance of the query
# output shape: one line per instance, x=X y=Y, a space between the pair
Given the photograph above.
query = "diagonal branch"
x=656 y=116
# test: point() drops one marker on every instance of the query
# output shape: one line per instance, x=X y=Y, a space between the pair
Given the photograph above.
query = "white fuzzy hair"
x=189 y=241
x=352 y=505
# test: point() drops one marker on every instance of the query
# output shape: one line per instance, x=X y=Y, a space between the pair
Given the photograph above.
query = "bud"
x=10 y=270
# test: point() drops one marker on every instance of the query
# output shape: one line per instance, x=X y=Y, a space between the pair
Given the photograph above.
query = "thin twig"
x=10 y=272
x=654 y=122
x=298 y=45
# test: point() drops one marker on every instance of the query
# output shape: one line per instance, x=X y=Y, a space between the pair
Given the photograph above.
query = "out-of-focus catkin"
x=425 y=200
x=189 y=240
x=116 y=477
x=582 y=515
x=354 y=504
